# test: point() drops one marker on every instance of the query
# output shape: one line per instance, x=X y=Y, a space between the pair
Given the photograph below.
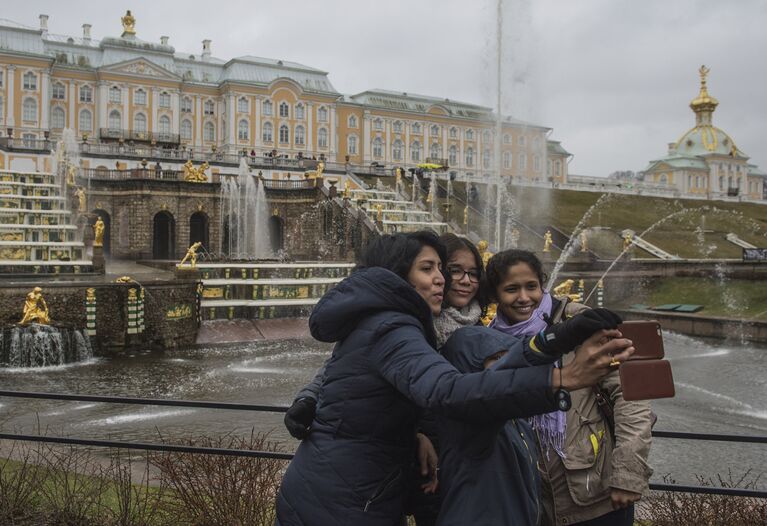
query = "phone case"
x=647 y=339
x=646 y=380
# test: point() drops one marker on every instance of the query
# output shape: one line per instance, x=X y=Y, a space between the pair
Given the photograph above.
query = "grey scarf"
x=451 y=319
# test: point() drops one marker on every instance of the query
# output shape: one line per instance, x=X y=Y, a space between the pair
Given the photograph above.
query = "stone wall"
x=704 y=326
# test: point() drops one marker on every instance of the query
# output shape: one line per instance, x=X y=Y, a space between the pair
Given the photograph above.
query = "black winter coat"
x=350 y=470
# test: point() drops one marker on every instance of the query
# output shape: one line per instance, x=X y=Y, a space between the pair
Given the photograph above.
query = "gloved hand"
x=566 y=336
x=299 y=417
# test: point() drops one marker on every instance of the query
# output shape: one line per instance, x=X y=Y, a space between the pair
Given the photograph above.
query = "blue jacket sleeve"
x=406 y=360
x=312 y=389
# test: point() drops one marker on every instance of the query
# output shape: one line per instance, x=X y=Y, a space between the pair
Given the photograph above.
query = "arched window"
x=139 y=123
x=507 y=160
x=469 y=135
x=521 y=140
x=284 y=109
x=663 y=179
x=284 y=134
x=208 y=108
x=242 y=105
x=351 y=148
x=85 y=122
x=267 y=107
x=139 y=97
x=186 y=130
x=415 y=151
x=396 y=150
x=689 y=181
x=300 y=135
x=209 y=132
x=378 y=124
x=522 y=162
x=397 y=127
x=58 y=91
x=57 y=118
x=453 y=133
x=486 y=136
x=115 y=120
x=299 y=111
x=435 y=150
x=163 y=125
x=86 y=94
x=486 y=159
x=537 y=163
x=186 y=105
x=322 y=138
x=416 y=128
x=377 y=147
x=506 y=138
x=470 y=156
x=537 y=143
x=30 y=110
x=164 y=100
x=721 y=182
x=322 y=114
x=115 y=95
x=30 y=81
x=352 y=121
x=242 y=130
x=452 y=156
x=268 y=133
x=435 y=131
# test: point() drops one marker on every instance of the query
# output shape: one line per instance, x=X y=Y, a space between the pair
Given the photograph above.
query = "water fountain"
x=38 y=345
x=244 y=216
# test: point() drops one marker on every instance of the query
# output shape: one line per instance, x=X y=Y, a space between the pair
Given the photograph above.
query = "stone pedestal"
x=98 y=259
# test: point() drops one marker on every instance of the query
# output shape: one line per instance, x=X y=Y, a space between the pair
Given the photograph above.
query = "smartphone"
x=647 y=339
x=646 y=380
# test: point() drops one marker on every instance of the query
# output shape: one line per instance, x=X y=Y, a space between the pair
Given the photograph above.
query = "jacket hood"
x=367 y=291
x=469 y=347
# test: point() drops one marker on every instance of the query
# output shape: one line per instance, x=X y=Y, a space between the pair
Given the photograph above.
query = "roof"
x=679 y=161
x=556 y=147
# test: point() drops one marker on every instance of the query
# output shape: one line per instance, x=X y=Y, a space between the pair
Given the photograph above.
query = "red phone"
x=645 y=376
x=647 y=339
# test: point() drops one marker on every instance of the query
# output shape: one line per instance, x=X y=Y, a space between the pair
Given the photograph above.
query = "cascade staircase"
x=647 y=246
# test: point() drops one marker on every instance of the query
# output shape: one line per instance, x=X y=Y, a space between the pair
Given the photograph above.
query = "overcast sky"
x=613 y=78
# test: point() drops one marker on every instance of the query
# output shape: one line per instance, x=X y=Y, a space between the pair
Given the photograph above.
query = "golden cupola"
x=704 y=104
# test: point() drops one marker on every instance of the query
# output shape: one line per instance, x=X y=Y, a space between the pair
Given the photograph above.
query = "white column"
x=365 y=143
x=332 y=130
x=10 y=103
x=102 y=100
x=445 y=145
x=230 y=118
x=425 y=141
x=153 y=109
x=311 y=140
x=126 y=120
x=175 y=121
x=387 y=141
x=198 y=120
x=4 y=108
x=461 y=158
x=257 y=138
x=406 y=149
x=45 y=100
x=73 y=118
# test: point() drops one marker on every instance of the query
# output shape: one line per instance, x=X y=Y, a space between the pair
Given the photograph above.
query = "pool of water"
x=720 y=387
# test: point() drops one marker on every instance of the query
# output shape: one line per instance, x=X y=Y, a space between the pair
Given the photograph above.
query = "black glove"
x=564 y=337
x=299 y=417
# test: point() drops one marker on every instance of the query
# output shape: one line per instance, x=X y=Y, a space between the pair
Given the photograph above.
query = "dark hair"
x=396 y=252
x=455 y=244
x=500 y=263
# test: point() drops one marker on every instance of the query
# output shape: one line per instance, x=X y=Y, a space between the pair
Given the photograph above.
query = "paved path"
x=233 y=331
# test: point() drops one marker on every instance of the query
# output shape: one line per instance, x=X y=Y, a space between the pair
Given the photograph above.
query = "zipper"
x=385 y=485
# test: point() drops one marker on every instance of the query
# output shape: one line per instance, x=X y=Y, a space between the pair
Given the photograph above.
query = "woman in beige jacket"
x=591 y=475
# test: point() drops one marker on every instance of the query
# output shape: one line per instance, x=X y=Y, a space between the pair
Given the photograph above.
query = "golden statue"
x=125 y=279
x=195 y=175
x=584 y=241
x=565 y=289
x=191 y=254
x=397 y=177
x=484 y=253
x=98 y=233
x=35 y=308
x=80 y=193
x=466 y=215
x=347 y=189
x=129 y=24
x=71 y=172
x=627 y=240
x=320 y=168
x=547 y=241
x=313 y=174
x=379 y=213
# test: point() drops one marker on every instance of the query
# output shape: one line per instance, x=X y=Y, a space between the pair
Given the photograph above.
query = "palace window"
x=186 y=105
x=469 y=135
x=537 y=163
x=115 y=120
x=453 y=133
x=352 y=121
x=242 y=130
x=352 y=146
x=284 y=109
x=139 y=123
x=322 y=138
x=1 y=108
x=396 y=150
x=559 y=167
x=521 y=140
x=452 y=156
x=415 y=151
x=299 y=111
x=164 y=100
x=267 y=134
x=416 y=128
x=506 y=138
x=537 y=143
x=58 y=91
x=30 y=81
x=115 y=95
x=85 y=122
x=58 y=118
x=378 y=124
x=29 y=112
x=377 y=147
x=86 y=94
x=186 y=130
x=209 y=132
x=163 y=125
x=284 y=134
x=397 y=127
x=300 y=135
x=470 y=157
x=486 y=136
x=507 y=160
x=322 y=114
x=139 y=97
x=208 y=108
x=486 y=159
x=435 y=151
x=721 y=182
x=242 y=105
x=266 y=106
x=1 y=78
x=435 y=131
x=522 y=162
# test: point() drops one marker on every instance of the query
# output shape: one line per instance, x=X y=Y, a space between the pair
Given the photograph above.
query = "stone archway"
x=106 y=218
x=199 y=229
x=164 y=236
x=276 y=233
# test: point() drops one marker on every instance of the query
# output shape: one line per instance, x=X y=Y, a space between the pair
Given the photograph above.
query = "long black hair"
x=500 y=263
x=455 y=244
x=397 y=252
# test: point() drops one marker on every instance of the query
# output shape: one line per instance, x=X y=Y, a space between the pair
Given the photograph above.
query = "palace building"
x=124 y=90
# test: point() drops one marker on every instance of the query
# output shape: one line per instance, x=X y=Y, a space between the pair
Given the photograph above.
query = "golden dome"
x=704 y=101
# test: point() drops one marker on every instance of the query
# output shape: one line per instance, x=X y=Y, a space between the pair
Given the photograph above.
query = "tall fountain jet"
x=244 y=216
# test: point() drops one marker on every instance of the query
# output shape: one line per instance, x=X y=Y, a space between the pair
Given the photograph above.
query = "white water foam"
x=719 y=396
x=49 y=368
x=139 y=417
x=719 y=352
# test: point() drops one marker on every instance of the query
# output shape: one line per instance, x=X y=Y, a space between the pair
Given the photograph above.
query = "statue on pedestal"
x=35 y=308
x=547 y=241
x=191 y=255
x=129 y=24
x=627 y=241
x=81 y=203
x=98 y=233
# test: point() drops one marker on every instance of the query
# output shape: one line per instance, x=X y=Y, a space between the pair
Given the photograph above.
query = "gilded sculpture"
x=466 y=215
x=71 y=173
x=314 y=174
x=379 y=213
x=484 y=253
x=547 y=241
x=628 y=239
x=125 y=279
x=129 y=23
x=98 y=233
x=35 y=308
x=347 y=189
x=195 y=175
x=191 y=255
x=81 y=202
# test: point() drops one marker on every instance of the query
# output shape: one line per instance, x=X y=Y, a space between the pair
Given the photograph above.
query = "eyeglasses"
x=457 y=274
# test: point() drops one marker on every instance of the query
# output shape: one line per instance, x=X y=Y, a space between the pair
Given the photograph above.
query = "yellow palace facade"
x=125 y=90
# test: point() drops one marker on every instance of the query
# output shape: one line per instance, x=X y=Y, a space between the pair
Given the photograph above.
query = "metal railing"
x=13 y=143
x=139 y=135
x=717 y=437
